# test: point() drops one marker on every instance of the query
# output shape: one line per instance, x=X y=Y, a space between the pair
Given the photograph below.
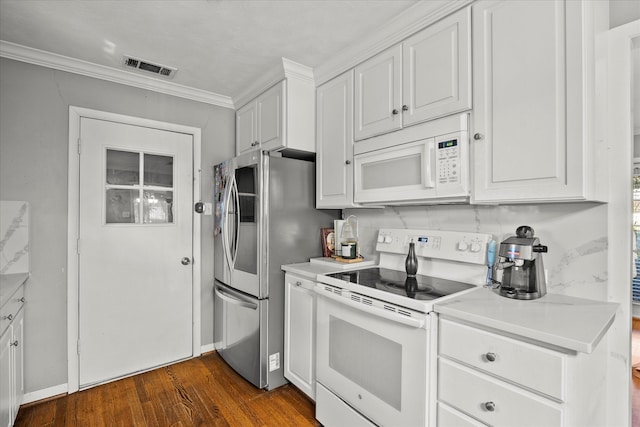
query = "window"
x=138 y=188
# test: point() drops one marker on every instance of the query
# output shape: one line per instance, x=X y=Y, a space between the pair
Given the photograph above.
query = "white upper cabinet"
x=437 y=69
x=282 y=116
x=425 y=77
x=247 y=128
x=378 y=96
x=334 y=143
x=533 y=89
x=259 y=124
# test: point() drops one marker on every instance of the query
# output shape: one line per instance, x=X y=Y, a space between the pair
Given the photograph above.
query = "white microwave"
x=423 y=171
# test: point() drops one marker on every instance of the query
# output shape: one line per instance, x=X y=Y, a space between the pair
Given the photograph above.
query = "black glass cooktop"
x=397 y=282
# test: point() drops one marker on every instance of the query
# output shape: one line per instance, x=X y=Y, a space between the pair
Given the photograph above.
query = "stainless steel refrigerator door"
x=239 y=322
x=238 y=223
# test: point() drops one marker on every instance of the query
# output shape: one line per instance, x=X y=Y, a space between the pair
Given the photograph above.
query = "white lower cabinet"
x=486 y=378
x=299 y=333
x=11 y=358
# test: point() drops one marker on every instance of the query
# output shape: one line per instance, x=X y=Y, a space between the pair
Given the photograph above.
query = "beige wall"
x=34 y=116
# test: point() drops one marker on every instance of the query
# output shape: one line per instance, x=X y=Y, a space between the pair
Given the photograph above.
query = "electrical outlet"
x=274 y=362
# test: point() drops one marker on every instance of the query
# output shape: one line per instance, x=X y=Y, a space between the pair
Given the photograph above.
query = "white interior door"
x=135 y=249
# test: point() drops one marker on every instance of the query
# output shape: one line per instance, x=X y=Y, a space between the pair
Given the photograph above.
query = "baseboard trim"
x=207 y=348
x=46 y=393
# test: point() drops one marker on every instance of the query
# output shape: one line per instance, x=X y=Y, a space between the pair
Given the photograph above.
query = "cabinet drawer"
x=493 y=401
x=516 y=361
x=449 y=417
x=10 y=309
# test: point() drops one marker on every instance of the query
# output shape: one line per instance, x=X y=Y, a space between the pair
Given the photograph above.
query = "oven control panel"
x=440 y=244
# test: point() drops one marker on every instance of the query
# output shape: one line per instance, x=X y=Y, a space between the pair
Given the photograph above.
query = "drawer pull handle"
x=490 y=406
x=491 y=357
x=9 y=317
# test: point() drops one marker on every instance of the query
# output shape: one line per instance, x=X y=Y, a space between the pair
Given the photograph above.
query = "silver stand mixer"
x=520 y=262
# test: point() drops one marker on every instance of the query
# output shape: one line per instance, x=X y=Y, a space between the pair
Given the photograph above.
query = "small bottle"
x=411 y=263
x=349 y=238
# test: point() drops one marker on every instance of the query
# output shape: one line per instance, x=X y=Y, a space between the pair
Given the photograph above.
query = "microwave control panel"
x=448 y=161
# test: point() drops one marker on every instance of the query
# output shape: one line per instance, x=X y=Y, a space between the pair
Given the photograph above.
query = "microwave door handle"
x=430 y=170
x=408 y=321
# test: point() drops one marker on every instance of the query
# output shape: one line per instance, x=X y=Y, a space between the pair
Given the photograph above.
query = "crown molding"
x=285 y=69
x=412 y=20
x=64 y=63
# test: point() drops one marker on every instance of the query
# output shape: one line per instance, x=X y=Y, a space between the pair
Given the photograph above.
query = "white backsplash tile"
x=14 y=237
x=575 y=234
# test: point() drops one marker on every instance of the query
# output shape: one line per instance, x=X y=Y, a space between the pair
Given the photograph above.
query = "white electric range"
x=376 y=329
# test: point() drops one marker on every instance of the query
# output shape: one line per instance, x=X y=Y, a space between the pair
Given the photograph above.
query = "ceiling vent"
x=141 y=64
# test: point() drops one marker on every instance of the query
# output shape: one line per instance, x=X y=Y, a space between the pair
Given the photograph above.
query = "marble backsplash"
x=14 y=237
x=575 y=233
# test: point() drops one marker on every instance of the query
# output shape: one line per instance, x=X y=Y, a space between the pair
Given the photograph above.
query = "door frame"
x=73 y=224
x=616 y=101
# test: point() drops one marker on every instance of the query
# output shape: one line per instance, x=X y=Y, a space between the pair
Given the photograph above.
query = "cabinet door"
x=299 y=363
x=18 y=363
x=436 y=69
x=526 y=145
x=6 y=374
x=246 y=128
x=334 y=143
x=270 y=117
x=378 y=103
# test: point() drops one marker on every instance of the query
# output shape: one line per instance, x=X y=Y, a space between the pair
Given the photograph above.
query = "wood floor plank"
x=203 y=391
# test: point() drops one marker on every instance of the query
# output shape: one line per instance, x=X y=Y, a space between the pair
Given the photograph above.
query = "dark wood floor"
x=199 y=392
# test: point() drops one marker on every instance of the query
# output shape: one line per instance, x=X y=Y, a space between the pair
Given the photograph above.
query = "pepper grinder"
x=411 y=263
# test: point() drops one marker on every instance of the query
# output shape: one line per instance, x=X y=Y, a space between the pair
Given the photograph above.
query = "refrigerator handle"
x=236 y=223
x=225 y=231
x=234 y=299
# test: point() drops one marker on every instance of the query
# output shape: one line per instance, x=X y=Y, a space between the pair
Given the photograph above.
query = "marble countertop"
x=9 y=283
x=576 y=324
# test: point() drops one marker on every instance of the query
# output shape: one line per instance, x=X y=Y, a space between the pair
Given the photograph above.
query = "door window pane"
x=122 y=206
x=158 y=207
x=158 y=170
x=130 y=201
x=123 y=167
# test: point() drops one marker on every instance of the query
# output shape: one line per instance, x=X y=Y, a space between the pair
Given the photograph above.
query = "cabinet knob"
x=298 y=283
x=21 y=299
x=254 y=144
x=490 y=406
x=14 y=344
x=405 y=108
x=185 y=261
x=9 y=317
x=491 y=357
x=478 y=136
x=394 y=111
x=348 y=162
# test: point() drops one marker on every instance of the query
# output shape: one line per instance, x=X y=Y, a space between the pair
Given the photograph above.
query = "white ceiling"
x=218 y=46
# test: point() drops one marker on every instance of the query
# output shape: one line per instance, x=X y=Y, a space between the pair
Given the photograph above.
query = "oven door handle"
x=389 y=315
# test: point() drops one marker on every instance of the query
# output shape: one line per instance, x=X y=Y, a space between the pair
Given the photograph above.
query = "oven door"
x=375 y=360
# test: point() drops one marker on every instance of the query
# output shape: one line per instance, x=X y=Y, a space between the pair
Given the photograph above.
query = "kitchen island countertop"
x=574 y=324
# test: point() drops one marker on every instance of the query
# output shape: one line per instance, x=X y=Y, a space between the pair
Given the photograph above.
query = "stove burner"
x=397 y=282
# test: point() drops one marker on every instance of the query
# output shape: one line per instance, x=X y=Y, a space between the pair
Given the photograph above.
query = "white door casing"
x=126 y=308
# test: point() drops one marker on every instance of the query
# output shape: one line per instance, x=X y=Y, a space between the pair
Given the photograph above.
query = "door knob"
x=185 y=261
